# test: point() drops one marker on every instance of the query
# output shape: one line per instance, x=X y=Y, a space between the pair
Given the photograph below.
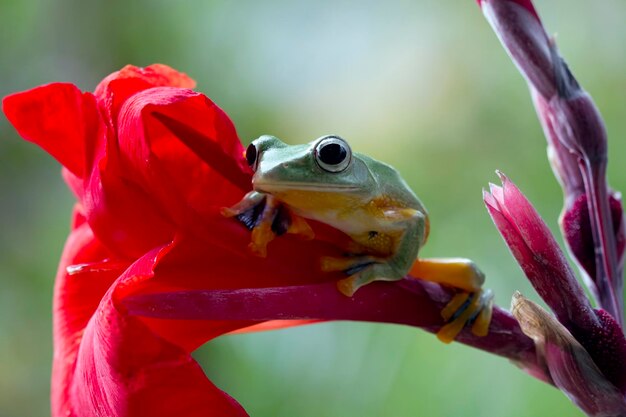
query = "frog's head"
x=301 y=175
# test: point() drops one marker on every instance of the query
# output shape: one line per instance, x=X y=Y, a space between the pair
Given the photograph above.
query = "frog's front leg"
x=267 y=218
x=473 y=305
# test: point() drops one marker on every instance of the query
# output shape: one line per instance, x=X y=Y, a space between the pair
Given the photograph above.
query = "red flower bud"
x=545 y=266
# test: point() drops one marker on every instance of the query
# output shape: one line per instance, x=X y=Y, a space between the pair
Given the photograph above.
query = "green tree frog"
x=369 y=201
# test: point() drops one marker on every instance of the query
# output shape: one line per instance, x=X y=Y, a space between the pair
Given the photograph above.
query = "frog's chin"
x=278 y=187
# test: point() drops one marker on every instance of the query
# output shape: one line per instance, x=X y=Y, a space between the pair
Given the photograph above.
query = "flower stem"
x=408 y=302
x=607 y=279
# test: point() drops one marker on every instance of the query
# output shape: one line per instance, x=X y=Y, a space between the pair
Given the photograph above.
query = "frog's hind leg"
x=361 y=270
x=380 y=255
x=472 y=306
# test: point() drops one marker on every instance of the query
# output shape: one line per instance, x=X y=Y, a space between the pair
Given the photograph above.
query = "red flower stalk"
x=591 y=220
x=583 y=348
x=151 y=269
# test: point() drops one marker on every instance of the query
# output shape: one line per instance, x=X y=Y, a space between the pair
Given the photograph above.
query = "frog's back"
x=391 y=186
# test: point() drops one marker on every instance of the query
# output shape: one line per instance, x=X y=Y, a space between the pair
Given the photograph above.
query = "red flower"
x=151 y=270
x=147 y=218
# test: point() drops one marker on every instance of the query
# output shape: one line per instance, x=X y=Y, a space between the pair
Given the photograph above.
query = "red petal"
x=76 y=298
x=107 y=363
x=125 y=369
x=123 y=216
x=163 y=162
x=150 y=182
x=60 y=119
x=119 y=86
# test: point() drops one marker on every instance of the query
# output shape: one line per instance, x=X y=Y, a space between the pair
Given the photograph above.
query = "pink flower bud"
x=545 y=266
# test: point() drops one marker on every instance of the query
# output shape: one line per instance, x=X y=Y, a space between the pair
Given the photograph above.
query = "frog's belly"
x=348 y=213
x=372 y=236
x=351 y=222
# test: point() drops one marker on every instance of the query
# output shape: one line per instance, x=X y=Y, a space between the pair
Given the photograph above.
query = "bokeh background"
x=421 y=84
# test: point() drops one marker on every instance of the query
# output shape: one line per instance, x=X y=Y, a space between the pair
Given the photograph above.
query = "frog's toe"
x=467 y=309
x=261 y=236
x=348 y=286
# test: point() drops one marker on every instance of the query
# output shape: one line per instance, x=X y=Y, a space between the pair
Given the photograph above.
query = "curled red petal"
x=124 y=368
x=115 y=89
x=164 y=164
x=76 y=298
x=59 y=118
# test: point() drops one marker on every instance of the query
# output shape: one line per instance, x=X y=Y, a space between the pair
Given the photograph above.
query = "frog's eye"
x=333 y=154
x=252 y=156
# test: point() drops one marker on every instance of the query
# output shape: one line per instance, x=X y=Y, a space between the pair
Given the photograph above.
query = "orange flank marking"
x=380 y=244
x=380 y=206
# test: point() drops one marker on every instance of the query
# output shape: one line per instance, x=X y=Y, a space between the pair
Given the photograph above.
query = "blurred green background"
x=423 y=85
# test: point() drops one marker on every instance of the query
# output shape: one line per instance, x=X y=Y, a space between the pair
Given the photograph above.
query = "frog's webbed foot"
x=472 y=306
x=467 y=309
x=361 y=270
x=267 y=218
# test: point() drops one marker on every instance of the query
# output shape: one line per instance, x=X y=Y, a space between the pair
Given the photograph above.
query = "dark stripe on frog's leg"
x=281 y=222
x=248 y=210
x=375 y=271
x=350 y=264
x=358 y=268
x=250 y=217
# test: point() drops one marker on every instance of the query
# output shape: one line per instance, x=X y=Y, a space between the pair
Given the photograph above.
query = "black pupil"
x=332 y=154
x=251 y=155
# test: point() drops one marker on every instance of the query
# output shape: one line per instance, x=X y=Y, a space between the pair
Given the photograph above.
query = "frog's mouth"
x=270 y=187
